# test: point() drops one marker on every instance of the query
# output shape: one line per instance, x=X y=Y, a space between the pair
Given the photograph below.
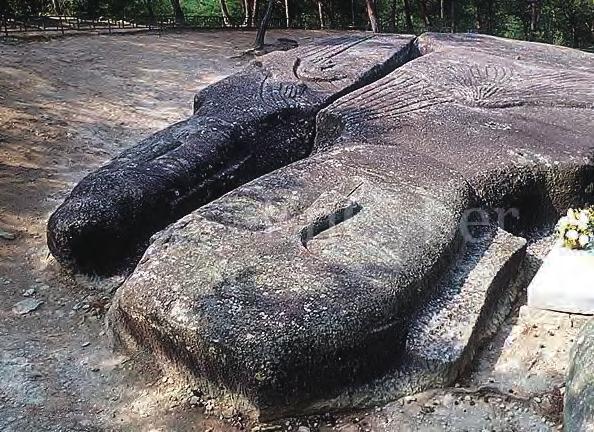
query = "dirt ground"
x=67 y=106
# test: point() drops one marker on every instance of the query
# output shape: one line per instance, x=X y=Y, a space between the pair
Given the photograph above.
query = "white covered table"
x=565 y=282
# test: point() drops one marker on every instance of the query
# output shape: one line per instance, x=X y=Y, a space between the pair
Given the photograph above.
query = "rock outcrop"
x=369 y=269
x=513 y=118
x=244 y=126
x=579 y=392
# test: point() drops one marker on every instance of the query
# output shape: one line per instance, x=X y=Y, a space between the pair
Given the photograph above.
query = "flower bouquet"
x=576 y=230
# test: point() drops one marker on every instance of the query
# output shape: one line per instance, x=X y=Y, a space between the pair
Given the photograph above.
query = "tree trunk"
x=533 y=17
x=321 y=12
x=478 y=22
x=442 y=10
x=408 y=17
x=255 y=5
x=453 y=15
x=259 y=44
x=287 y=15
x=57 y=7
x=247 y=9
x=373 y=18
x=225 y=12
x=490 y=17
x=177 y=11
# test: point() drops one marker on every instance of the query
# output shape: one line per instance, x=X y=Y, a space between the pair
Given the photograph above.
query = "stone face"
x=351 y=275
x=302 y=280
x=472 y=300
x=579 y=393
x=243 y=126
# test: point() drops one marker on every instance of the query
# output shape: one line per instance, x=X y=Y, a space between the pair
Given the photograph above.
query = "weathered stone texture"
x=345 y=279
x=579 y=393
x=464 y=309
x=514 y=118
x=244 y=126
x=270 y=299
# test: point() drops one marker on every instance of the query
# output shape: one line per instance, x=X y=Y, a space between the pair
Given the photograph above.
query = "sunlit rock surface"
x=243 y=126
x=366 y=271
x=514 y=118
x=579 y=393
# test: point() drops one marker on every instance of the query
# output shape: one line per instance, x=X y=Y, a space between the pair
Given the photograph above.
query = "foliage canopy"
x=565 y=22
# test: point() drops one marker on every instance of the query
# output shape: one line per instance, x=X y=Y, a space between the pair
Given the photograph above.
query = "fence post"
x=61 y=24
x=109 y=25
x=5 y=25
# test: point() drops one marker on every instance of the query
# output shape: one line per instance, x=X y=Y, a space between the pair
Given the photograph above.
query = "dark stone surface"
x=266 y=297
x=579 y=391
x=469 y=303
x=307 y=283
x=244 y=126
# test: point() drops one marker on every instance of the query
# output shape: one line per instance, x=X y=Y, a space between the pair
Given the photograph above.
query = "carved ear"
x=341 y=211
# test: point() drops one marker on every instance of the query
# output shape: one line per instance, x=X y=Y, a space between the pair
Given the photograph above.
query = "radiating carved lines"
x=280 y=94
x=340 y=49
x=318 y=64
x=330 y=50
x=291 y=91
x=496 y=86
x=399 y=94
x=311 y=50
x=286 y=94
x=368 y=93
x=481 y=84
x=477 y=84
x=318 y=53
x=561 y=89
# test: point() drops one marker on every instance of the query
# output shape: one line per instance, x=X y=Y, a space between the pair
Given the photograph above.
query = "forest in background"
x=562 y=22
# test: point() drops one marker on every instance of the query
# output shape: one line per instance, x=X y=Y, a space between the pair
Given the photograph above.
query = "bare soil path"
x=66 y=107
x=69 y=105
